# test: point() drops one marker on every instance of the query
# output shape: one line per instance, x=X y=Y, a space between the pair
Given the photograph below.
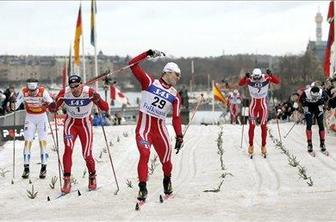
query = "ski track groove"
x=189 y=172
x=275 y=173
x=267 y=163
x=257 y=173
x=321 y=160
x=185 y=174
x=272 y=171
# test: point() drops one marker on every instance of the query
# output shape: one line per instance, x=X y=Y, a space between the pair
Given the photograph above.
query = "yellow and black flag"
x=218 y=95
x=78 y=35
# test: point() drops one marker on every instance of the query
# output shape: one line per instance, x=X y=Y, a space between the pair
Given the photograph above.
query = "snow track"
x=260 y=189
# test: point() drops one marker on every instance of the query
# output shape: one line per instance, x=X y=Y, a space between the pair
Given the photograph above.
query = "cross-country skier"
x=313 y=100
x=158 y=98
x=36 y=100
x=78 y=100
x=234 y=101
x=258 y=85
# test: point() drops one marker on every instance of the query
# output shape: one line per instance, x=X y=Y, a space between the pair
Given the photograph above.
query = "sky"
x=179 y=28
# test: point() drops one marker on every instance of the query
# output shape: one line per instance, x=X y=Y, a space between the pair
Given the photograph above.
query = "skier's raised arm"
x=144 y=78
x=245 y=80
x=271 y=77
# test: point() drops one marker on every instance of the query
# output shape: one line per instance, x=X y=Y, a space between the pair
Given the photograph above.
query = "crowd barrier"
x=12 y=124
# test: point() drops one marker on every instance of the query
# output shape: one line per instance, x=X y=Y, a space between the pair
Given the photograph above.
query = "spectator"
x=184 y=97
x=2 y=99
x=9 y=100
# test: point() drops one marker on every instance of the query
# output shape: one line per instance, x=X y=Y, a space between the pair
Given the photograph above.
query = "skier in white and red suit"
x=36 y=100
x=258 y=85
x=78 y=100
x=234 y=101
x=158 y=98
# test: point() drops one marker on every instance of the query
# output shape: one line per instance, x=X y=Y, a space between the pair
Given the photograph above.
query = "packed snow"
x=255 y=189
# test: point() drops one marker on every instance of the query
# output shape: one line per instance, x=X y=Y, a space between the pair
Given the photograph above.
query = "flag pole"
x=83 y=56
x=93 y=39
x=213 y=101
x=96 y=62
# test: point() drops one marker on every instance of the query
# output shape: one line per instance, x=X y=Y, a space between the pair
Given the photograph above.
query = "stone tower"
x=318 y=20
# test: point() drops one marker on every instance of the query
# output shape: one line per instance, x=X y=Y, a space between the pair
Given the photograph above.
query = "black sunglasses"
x=74 y=86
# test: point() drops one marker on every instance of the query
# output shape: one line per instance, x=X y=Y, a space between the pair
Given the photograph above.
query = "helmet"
x=32 y=84
x=171 y=67
x=74 y=80
x=315 y=91
x=256 y=74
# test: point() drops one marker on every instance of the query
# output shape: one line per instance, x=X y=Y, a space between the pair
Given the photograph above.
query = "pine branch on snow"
x=53 y=182
x=129 y=183
x=31 y=193
x=3 y=172
x=220 y=152
x=292 y=161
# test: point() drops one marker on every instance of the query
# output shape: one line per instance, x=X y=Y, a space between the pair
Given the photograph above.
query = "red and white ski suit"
x=258 y=106
x=78 y=122
x=233 y=103
x=157 y=100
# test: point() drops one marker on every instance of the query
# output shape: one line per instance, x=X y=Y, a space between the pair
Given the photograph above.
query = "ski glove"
x=178 y=143
x=247 y=75
x=154 y=53
x=52 y=107
x=95 y=97
x=269 y=72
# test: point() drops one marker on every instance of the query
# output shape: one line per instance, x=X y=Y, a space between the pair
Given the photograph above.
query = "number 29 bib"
x=157 y=101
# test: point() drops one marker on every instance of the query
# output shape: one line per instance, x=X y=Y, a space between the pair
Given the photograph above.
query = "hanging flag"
x=329 y=56
x=218 y=95
x=93 y=22
x=69 y=62
x=78 y=35
x=117 y=95
x=64 y=75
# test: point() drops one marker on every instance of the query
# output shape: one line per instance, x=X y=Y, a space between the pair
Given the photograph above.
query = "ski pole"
x=52 y=133
x=108 y=72
x=193 y=114
x=296 y=122
x=192 y=117
x=277 y=121
x=57 y=150
x=242 y=135
x=14 y=126
x=109 y=153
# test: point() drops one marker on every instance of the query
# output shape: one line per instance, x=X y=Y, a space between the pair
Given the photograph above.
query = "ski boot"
x=263 y=151
x=324 y=149
x=25 y=173
x=142 y=195
x=250 y=151
x=43 y=171
x=66 y=185
x=92 y=181
x=310 y=148
x=322 y=146
x=167 y=186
